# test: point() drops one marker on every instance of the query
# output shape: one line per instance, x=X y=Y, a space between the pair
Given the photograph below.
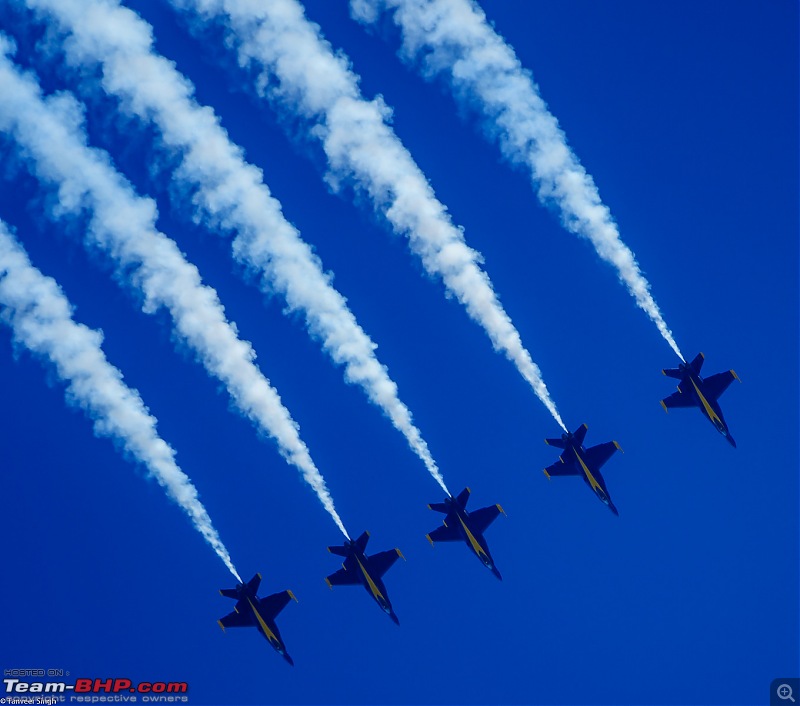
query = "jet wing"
x=380 y=563
x=481 y=519
x=717 y=384
x=561 y=469
x=598 y=455
x=237 y=620
x=274 y=604
x=678 y=399
x=445 y=533
x=342 y=577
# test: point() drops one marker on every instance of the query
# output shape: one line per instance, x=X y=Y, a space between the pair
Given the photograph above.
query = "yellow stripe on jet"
x=270 y=635
x=710 y=412
x=595 y=485
x=474 y=542
x=372 y=587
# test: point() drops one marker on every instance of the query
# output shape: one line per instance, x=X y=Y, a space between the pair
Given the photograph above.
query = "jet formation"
x=461 y=525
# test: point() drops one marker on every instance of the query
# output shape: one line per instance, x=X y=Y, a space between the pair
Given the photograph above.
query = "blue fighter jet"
x=696 y=391
x=251 y=611
x=366 y=570
x=467 y=526
x=578 y=461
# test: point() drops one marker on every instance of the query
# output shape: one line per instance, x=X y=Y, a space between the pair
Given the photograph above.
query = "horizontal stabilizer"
x=439 y=507
x=229 y=593
x=558 y=443
x=673 y=373
x=463 y=497
x=338 y=550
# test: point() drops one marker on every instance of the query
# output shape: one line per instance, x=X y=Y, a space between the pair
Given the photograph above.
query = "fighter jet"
x=578 y=461
x=694 y=391
x=260 y=613
x=467 y=526
x=366 y=570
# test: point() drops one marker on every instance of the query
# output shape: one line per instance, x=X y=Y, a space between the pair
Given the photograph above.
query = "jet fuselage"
x=576 y=459
x=696 y=391
x=591 y=476
x=708 y=406
x=460 y=524
x=460 y=517
x=250 y=611
x=360 y=568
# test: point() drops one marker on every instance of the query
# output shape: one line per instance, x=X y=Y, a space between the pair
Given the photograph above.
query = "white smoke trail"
x=230 y=191
x=40 y=317
x=123 y=225
x=453 y=38
x=276 y=38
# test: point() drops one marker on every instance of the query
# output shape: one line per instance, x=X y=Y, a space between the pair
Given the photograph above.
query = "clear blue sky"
x=686 y=116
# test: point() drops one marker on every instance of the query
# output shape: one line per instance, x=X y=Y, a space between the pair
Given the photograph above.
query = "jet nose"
x=394 y=618
x=730 y=440
x=496 y=573
x=288 y=659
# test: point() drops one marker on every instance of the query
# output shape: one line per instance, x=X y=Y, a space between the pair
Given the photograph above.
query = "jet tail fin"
x=362 y=540
x=254 y=583
x=252 y=587
x=672 y=373
x=463 y=497
x=360 y=543
x=697 y=363
x=578 y=436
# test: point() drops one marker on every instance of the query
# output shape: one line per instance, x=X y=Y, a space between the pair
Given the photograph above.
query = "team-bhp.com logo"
x=89 y=689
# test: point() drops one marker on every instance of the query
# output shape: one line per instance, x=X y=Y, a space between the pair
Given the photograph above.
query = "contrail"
x=40 y=317
x=300 y=71
x=453 y=38
x=123 y=225
x=229 y=191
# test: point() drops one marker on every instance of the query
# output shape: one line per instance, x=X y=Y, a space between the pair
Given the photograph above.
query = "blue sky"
x=687 y=119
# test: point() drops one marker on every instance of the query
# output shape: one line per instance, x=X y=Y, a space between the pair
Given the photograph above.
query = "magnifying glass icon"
x=785 y=693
